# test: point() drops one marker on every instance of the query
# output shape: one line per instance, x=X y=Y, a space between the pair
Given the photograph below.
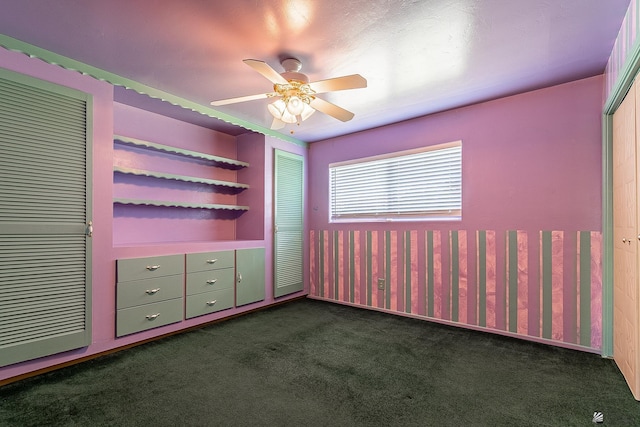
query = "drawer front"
x=210 y=260
x=147 y=268
x=148 y=316
x=209 y=302
x=147 y=291
x=207 y=281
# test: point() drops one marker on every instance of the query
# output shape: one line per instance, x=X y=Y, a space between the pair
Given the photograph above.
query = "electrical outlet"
x=381 y=283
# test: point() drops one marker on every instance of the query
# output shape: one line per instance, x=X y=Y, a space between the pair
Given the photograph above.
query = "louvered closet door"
x=288 y=227
x=44 y=206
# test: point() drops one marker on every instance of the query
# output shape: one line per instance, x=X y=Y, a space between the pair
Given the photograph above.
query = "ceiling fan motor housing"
x=292 y=68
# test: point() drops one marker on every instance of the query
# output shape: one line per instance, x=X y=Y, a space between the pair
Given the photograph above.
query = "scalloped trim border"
x=49 y=57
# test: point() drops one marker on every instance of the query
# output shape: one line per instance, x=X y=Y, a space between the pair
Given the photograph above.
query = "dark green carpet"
x=311 y=363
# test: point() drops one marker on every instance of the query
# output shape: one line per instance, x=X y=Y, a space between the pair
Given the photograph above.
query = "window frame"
x=452 y=213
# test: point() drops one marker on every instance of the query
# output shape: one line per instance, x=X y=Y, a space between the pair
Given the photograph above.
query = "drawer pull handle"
x=152 y=291
x=212 y=281
x=210 y=303
x=153 y=267
x=212 y=261
x=151 y=317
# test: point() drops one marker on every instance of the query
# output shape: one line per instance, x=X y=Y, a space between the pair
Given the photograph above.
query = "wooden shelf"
x=218 y=161
x=161 y=175
x=171 y=204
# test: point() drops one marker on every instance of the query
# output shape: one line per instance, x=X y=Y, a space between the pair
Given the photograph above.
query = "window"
x=418 y=184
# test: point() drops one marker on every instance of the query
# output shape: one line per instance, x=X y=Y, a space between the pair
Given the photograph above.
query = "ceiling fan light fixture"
x=278 y=109
x=307 y=111
x=295 y=106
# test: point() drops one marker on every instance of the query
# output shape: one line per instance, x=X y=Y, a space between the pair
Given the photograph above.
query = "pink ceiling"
x=419 y=57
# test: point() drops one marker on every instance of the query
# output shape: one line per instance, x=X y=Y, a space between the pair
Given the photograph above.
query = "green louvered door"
x=288 y=223
x=44 y=209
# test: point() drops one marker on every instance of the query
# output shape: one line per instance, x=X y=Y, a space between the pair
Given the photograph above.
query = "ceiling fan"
x=296 y=96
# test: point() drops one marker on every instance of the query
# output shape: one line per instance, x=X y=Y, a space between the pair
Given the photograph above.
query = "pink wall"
x=531 y=221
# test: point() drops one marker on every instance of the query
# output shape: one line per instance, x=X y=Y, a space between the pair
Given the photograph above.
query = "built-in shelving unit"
x=211 y=160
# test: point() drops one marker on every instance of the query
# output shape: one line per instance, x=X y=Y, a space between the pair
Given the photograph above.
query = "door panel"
x=625 y=232
x=288 y=226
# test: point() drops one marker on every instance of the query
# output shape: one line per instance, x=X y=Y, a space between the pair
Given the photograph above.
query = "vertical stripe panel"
x=408 y=276
x=355 y=266
x=557 y=285
x=481 y=237
x=421 y=266
x=381 y=269
x=313 y=281
x=437 y=274
x=596 y=290
x=413 y=273
x=501 y=282
x=569 y=290
x=369 y=258
x=534 y=285
x=470 y=277
x=445 y=291
x=430 y=274
x=523 y=283
x=337 y=264
x=511 y=304
x=454 y=256
x=391 y=261
x=322 y=267
x=492 y=279
x=546 y=262
x=584 y=289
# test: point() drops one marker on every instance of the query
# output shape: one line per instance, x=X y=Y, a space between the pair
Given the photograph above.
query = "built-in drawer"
x=147 y=268
x=209 y=302
x=148 y=316
x=207 y=281
x=147 y=291
x=210 y=260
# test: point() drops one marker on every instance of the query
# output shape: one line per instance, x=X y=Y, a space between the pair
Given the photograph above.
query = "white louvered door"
x=288 y=223
x=44 y=210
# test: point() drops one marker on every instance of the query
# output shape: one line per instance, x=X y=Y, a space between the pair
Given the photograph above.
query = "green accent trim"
x=512 y=236
x=217 y=160
x=482 y=279
x=158 y=203
x=160 y=175
x=387 y=269
x=321 y=262
x=455 y=276
x=336 y=265
x=352 y=266
x=430 y=273
x=70 y=64
x=547 y=285
x=369 y=267
x=618 y=92
x=407 y=271
x=607 y=235
x=585 y=288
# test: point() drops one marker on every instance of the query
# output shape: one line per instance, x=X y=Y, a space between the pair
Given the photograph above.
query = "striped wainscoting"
x=542 y=284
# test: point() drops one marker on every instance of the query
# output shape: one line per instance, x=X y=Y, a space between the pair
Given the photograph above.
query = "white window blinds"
x=416 y=184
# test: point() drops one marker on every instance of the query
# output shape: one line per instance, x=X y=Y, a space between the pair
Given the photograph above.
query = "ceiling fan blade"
x=354 y=81
x=331 y=109
x=243 y=99
x=263 y=68
x=277 y=124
